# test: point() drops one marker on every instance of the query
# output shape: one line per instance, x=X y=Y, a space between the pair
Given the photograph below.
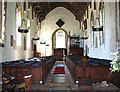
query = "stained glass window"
x=18 y=23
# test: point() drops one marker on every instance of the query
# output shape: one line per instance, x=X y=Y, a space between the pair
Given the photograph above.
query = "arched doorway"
x=60 y=43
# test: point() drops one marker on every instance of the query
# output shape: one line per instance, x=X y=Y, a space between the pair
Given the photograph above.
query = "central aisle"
x=59 y=82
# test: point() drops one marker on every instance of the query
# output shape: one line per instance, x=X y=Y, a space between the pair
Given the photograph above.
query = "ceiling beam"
x=43 y=8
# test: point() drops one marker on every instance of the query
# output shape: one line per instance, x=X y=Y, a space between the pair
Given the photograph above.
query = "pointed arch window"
x=96 y=42
x=18 y=14
x=18 y=23
x=102 y=18
x=92 y=32
x=118 y=21
x=28 y=16
x=3 y=8
x=60 y=39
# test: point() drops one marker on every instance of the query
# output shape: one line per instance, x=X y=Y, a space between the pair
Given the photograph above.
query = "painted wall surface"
x=48 y=26
x=0 y=36
x=103 y=51
x=8 y=51
x=16 y=51
x=0 y=54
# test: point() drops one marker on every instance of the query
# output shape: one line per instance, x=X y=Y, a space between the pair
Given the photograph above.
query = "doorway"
x=60 y=43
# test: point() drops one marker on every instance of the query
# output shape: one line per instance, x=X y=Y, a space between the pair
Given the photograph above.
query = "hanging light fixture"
x=83 y=36
x=36 y=36
x=42 y=42
x=23 y=28
x=97 y=26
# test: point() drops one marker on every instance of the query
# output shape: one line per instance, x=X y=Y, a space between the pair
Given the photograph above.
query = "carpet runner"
x=59 y=70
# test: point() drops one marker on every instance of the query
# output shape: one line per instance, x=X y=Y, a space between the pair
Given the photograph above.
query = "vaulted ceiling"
x=43 y=8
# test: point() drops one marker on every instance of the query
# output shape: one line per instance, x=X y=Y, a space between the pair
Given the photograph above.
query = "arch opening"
x=60 y=39
x=60 y=43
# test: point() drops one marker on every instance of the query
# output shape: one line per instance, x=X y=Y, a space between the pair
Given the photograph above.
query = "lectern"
x=27 y=83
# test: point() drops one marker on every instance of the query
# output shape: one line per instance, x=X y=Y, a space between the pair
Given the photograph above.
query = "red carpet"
x=59 y=70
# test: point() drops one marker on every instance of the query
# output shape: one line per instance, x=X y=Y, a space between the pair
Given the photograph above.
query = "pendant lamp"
x=23 y=28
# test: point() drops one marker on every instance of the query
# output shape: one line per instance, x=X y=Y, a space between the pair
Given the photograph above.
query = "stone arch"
x=53 y=37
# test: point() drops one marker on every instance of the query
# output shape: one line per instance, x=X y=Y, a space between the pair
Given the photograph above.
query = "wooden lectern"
x=27 y=83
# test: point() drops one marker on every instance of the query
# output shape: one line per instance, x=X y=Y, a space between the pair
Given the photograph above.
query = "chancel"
x=60 y=46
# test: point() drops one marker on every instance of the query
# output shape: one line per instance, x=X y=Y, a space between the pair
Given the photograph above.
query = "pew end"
x=85 y=83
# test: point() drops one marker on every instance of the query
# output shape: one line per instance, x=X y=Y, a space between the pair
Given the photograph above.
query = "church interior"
x=59 y=46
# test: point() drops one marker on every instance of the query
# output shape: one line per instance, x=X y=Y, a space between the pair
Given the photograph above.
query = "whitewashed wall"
x=104 y=51
x=0 y=54
x=16 y=52
x=48 y=26
x=0 y=39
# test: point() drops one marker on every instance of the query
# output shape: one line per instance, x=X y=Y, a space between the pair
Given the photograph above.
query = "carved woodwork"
x=74 y=48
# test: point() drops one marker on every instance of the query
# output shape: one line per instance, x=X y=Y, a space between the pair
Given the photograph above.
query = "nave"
x=59 y=81
x=36 y=36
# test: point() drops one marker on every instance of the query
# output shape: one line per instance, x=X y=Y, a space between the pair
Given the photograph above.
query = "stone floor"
x=58 y=82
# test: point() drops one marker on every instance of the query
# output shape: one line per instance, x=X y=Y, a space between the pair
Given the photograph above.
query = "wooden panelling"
x=39 y=73
x=59 y=53
x=76 y=51
x=97 y=73
x=115 y=78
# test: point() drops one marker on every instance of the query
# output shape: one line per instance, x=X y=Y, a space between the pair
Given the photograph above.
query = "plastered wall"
x=48 y=26
x=15 y=52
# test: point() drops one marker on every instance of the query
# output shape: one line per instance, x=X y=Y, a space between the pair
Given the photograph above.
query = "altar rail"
x=97 y=70
x=39 y=69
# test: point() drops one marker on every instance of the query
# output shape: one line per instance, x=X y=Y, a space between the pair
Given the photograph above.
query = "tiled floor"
x=58 y=81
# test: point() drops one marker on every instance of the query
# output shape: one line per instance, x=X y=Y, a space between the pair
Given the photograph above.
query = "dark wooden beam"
x=43 y=8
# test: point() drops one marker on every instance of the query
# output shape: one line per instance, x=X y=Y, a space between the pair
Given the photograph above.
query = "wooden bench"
x=39 y=70
x=96 y=72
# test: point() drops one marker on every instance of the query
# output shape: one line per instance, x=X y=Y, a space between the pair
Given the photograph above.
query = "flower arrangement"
x=115 y=64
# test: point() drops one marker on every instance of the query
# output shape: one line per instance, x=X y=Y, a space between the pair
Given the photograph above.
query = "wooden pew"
x=38 y=71
x=97 y=73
